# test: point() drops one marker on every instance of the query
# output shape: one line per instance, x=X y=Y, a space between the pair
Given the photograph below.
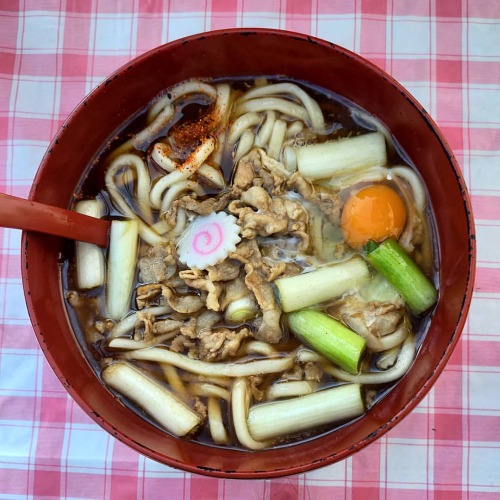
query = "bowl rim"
x=438 y=368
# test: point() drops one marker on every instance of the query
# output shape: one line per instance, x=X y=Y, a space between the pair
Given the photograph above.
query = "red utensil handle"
x=28 y=215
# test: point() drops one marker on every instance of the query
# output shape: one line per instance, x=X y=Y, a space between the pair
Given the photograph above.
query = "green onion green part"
x=403 y=274
x=329 y=338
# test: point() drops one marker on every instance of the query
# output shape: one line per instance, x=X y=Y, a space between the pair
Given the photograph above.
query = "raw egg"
x=374 y=213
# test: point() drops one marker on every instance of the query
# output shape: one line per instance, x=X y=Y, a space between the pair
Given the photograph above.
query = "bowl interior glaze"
x=244 y=52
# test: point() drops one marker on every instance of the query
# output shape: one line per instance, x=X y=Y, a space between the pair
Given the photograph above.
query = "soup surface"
x=271 y=267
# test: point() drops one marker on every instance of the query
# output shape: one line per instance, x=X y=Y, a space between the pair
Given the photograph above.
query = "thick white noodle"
x=372 y=174
x=131 y=344
x=367 y=120
x=222 y=103
x=220 y=147
x=316 y=119
x=161 y=158
x=212 y=175
x=264 y=133
x=145 y=135
x=395 y=338
x=387 y=358
x=161 y=227
x=188 y=168
x=206 y=389
x=147 y=233
x=154 y=128
x=411 y=177
x=125 y=325
x=215 y=423
x=294 y=128
x=403 y=363
x=244 y=122
x=245 y=144
x=276 y=140
x=180 y=223
x=176 y=190
x=308 y=356
x=128 y=162
x=211 y=369
x=174 y=380
x=290 y=159
x=240 y=401
x=259 y=347
x=292 y=388
x=295 y=111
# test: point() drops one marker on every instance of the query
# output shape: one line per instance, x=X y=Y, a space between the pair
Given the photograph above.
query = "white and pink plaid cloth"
x=446 y=52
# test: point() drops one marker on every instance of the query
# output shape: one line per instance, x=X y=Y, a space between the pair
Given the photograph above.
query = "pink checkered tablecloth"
x=446 y=53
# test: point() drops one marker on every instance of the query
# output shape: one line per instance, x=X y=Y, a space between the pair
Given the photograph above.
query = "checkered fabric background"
x=446 y=52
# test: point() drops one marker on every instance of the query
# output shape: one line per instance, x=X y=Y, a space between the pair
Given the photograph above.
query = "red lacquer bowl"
x=244 y=52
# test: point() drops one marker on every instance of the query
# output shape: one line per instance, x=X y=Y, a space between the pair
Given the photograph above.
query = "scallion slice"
x=392 y=261
x=328 y=337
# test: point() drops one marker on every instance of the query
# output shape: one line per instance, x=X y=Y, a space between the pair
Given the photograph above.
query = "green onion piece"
x=328 y=337
x=402 y=273
x=241 y=310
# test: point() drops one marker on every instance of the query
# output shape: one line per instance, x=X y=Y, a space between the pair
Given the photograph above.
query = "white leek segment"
x=325 y=283
x=291 y=416
x=90 y=271
x=342 y=156
x=157 y=401
x=241 y=310
x=122 y=258
x=208 y=240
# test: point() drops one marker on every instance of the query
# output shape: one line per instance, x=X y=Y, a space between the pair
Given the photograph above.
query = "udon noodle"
x=270 y=269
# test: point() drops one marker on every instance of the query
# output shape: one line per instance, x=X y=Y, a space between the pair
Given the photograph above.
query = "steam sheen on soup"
x=271 y=268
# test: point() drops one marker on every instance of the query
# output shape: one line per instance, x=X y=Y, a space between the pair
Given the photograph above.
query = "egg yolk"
x=374 y=213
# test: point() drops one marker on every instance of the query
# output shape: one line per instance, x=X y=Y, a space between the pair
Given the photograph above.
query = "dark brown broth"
x=341 y=124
